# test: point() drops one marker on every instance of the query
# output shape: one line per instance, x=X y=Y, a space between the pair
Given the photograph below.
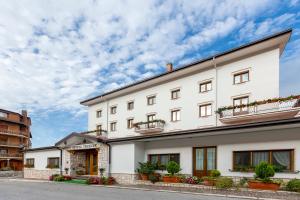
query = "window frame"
x=111 y=125
x=241 y=111
x=176 y=92
x=240 y=74
x=128 y=105
x=113 y=110
x=130 y=125
x=270 y=159
x=164 y=154
x=54 y=166
x=153 y=101
x=30 y=163
x=99 y=113
x=205 y=84
x=177 y=111
x=205 y=105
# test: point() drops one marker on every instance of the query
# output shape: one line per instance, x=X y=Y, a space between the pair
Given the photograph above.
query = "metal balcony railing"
x=13 y=133
x=11 y=155
x=149 y=127
x=6 y=143
x=96 y=133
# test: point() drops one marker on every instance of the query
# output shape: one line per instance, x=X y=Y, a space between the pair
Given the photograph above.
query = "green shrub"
x=215 y=173
x=264 y=171
x=293 y=185
x=173 y=168
x=224 y=183
x=146 y=168
x=59 y=178
x=154 y=178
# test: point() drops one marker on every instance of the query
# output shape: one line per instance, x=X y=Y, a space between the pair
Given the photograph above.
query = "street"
x=21 y=190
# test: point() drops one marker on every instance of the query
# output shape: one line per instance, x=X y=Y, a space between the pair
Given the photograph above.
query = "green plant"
x=153 y=178
x=159 y=166
x=264 y=171
x=242 y=182
x=279 y=168
x=293 y=185
x=215 y=173
x=224 y=182
x=146 y=168
x=173 y=168
x=101 y=170
x=59 y=178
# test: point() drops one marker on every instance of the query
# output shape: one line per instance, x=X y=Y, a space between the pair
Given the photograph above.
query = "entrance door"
x=92 y=162
x=204 y=160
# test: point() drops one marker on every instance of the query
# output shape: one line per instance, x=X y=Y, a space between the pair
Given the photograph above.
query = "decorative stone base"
x=15 y=174
x=123 y=178
x=39 y=174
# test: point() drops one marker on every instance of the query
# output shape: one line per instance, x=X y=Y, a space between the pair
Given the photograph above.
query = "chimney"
x=24 y=113
x=169 y=67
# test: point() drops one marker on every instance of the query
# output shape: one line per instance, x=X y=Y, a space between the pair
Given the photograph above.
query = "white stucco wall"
x=264 y=72
x=122 y=158
x=41 y=157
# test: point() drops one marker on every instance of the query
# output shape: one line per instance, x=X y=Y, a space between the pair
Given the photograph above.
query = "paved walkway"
x=24 y=190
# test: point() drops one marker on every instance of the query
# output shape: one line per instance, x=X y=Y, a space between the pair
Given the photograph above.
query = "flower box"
x=263 y=186
x=171 y=179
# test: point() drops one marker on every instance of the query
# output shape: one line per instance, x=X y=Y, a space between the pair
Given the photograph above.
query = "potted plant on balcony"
x=262 y=180
x=173 y=168
x=145 y=169
x=212 y=178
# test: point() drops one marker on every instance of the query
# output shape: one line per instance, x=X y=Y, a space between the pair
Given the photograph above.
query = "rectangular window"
x=53 y=163
x=175 y=94
x=248 y=160
x=151 y=100
x=175 y=115
x=205 y=87
x=3 y=114
x=113 y=110
x=129 y=123
x=29 y=162
x=205 y=110
x=163 y=159
x=241 y=77
x=150 y=118
x=99 y=113
x=99 y=127
x=130 y=105
x=239 y=102
x=113 y=126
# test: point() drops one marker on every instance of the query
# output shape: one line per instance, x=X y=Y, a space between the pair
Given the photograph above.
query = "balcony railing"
x=96 y=133
x=11 y=155
x=13 y=133
x=149 y=127
x=261 y=111
x=9 y=144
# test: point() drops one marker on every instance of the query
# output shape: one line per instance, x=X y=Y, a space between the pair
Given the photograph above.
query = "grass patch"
x=77 y=181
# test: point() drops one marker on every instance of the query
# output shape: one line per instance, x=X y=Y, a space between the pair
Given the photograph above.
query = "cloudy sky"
x=54 y=54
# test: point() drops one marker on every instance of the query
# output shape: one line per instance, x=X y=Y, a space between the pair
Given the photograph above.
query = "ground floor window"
x=282 y=160
x=53 y=163
x=163 y=159
x=29 y=163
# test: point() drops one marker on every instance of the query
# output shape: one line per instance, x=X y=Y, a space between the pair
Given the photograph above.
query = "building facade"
x=223 y=112
x=14 y=138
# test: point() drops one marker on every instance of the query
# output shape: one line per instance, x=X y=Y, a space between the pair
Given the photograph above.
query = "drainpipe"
x=216 y=83
x=61 y=170
x=109 y=158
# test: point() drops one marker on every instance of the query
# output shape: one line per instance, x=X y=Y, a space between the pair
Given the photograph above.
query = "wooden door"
x=204 y=160
x=92 y=163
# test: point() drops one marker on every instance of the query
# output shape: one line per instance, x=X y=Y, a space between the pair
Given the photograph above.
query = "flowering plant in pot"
x=145 y=169
x=173 y=168
x=262 y=179
x=211 y=179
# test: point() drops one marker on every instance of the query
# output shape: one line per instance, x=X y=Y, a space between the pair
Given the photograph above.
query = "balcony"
x=155 y=126
x=96 y=133
x=11 y=156
x=271 y=109
x=13 y=133
x=9 y=144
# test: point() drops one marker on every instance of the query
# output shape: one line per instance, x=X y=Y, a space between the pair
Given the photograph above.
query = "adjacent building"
x=222 y=112
x=14 y=138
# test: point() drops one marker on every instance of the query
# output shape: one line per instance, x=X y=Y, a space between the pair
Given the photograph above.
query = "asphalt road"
x=16 y=190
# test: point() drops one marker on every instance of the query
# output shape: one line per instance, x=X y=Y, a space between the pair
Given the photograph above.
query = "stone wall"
x=103 y=160
x=77 y=162
x=39 y=174
x=15 y=174
x=123 y=178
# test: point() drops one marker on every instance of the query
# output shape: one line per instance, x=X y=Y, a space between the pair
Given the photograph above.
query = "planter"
x=209 y=182
x=263 y=186
x=171 y=179
x=144 y=177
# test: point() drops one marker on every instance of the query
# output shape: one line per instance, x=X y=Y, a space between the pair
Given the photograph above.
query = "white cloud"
x=54 y=54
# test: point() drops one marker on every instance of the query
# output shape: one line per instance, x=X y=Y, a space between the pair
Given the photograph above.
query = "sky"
x=54 y=54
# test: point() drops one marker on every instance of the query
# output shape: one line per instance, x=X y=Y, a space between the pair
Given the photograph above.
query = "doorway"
x=204 y=160
x=91 y=162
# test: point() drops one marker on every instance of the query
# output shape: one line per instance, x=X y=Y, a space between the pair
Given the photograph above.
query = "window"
x=205 y=87
x=3 y=114
x=3 y=151
x=175 y=94
x=282 y=160
x=205 y=110
x=53 y=163
x=98 y=113
x=151 y=100
x=113 y=110
x=164 y=158
x=175 y=115
x=238 y=102
x=130 y=105
x=130 y=123
x=29 y=162
x=241 y=77
x=151 y=118
x=99 y=127
x=113 y=126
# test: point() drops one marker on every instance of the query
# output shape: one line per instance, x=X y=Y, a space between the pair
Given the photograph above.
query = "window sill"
x=240 y=83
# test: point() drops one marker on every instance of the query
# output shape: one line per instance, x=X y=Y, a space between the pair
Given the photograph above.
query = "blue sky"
x=56 y=53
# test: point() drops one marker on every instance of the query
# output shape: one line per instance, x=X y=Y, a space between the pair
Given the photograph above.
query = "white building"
x=172 y=117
